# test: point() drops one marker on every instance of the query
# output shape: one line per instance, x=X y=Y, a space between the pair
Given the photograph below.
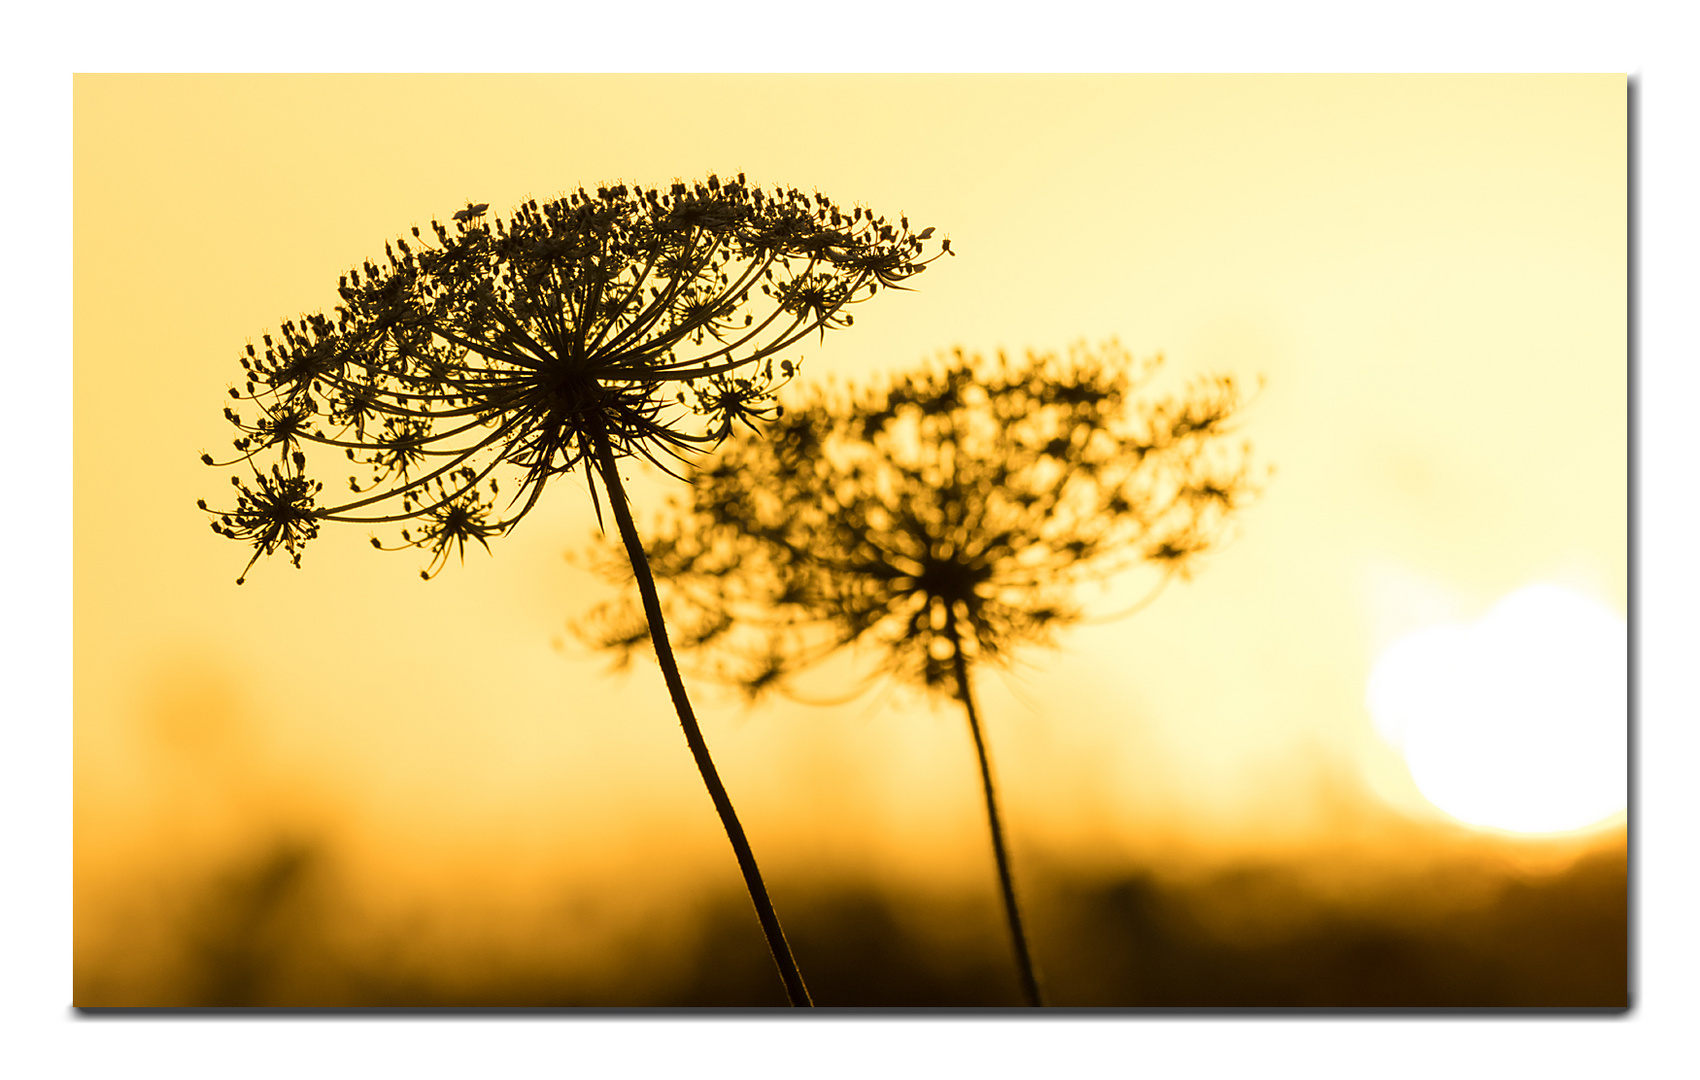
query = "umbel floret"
x=277 y=512
x=645 y=320
x=957 y=508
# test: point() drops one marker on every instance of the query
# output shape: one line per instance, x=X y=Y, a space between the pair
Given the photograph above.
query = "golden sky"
x=1428 y=272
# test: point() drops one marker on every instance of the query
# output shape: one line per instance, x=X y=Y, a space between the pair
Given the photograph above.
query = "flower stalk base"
x=795 y=990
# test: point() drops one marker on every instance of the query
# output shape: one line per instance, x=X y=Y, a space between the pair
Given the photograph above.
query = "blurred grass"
x=282 y=926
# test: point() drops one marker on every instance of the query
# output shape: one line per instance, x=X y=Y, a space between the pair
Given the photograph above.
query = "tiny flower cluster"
x=952 y=509
x=626 y=322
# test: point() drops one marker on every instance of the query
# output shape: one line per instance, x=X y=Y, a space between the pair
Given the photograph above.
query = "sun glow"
x=1518 y=721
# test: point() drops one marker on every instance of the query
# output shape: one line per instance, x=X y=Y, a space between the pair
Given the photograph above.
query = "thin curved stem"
x=1023 y=956
x=793 y=978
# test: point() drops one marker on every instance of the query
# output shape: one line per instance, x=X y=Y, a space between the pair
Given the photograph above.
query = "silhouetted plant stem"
x=940 y=521
x=793 y=978
x=1023 y=957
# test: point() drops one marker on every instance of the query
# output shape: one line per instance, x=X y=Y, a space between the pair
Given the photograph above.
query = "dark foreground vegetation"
x=271 y=932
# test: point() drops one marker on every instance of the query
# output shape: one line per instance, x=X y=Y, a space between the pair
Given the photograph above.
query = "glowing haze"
x=1517 y=721
x=1430 y=273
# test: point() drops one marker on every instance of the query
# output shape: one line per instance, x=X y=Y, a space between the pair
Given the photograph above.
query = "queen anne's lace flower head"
x=953 y=509
x=646 y=321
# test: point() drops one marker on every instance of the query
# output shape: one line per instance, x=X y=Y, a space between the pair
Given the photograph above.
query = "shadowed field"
x=279 y=928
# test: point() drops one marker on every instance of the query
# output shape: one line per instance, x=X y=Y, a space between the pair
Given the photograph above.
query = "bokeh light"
x=1518 y=721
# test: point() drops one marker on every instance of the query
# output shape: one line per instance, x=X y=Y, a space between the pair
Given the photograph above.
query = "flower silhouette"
x=634 y=321
x=939 y=522
x=483 y=358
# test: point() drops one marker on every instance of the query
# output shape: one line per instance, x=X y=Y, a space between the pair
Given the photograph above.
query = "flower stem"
x=793 y=978
x=1023 y=957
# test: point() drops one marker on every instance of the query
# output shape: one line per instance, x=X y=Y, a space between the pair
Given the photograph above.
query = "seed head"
x=955 y=508
x=643 y=320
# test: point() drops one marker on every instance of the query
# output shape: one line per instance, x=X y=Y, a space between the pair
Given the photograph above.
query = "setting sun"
x=1517 y=721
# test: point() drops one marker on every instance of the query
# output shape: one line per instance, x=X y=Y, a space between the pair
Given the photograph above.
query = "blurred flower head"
x=641 y=319
x=955 y=508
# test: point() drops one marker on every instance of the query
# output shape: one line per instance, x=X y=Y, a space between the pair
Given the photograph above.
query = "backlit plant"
x=484 y=357
x=940 y=521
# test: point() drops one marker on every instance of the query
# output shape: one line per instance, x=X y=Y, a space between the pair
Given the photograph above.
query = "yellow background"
x=1430 y=273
